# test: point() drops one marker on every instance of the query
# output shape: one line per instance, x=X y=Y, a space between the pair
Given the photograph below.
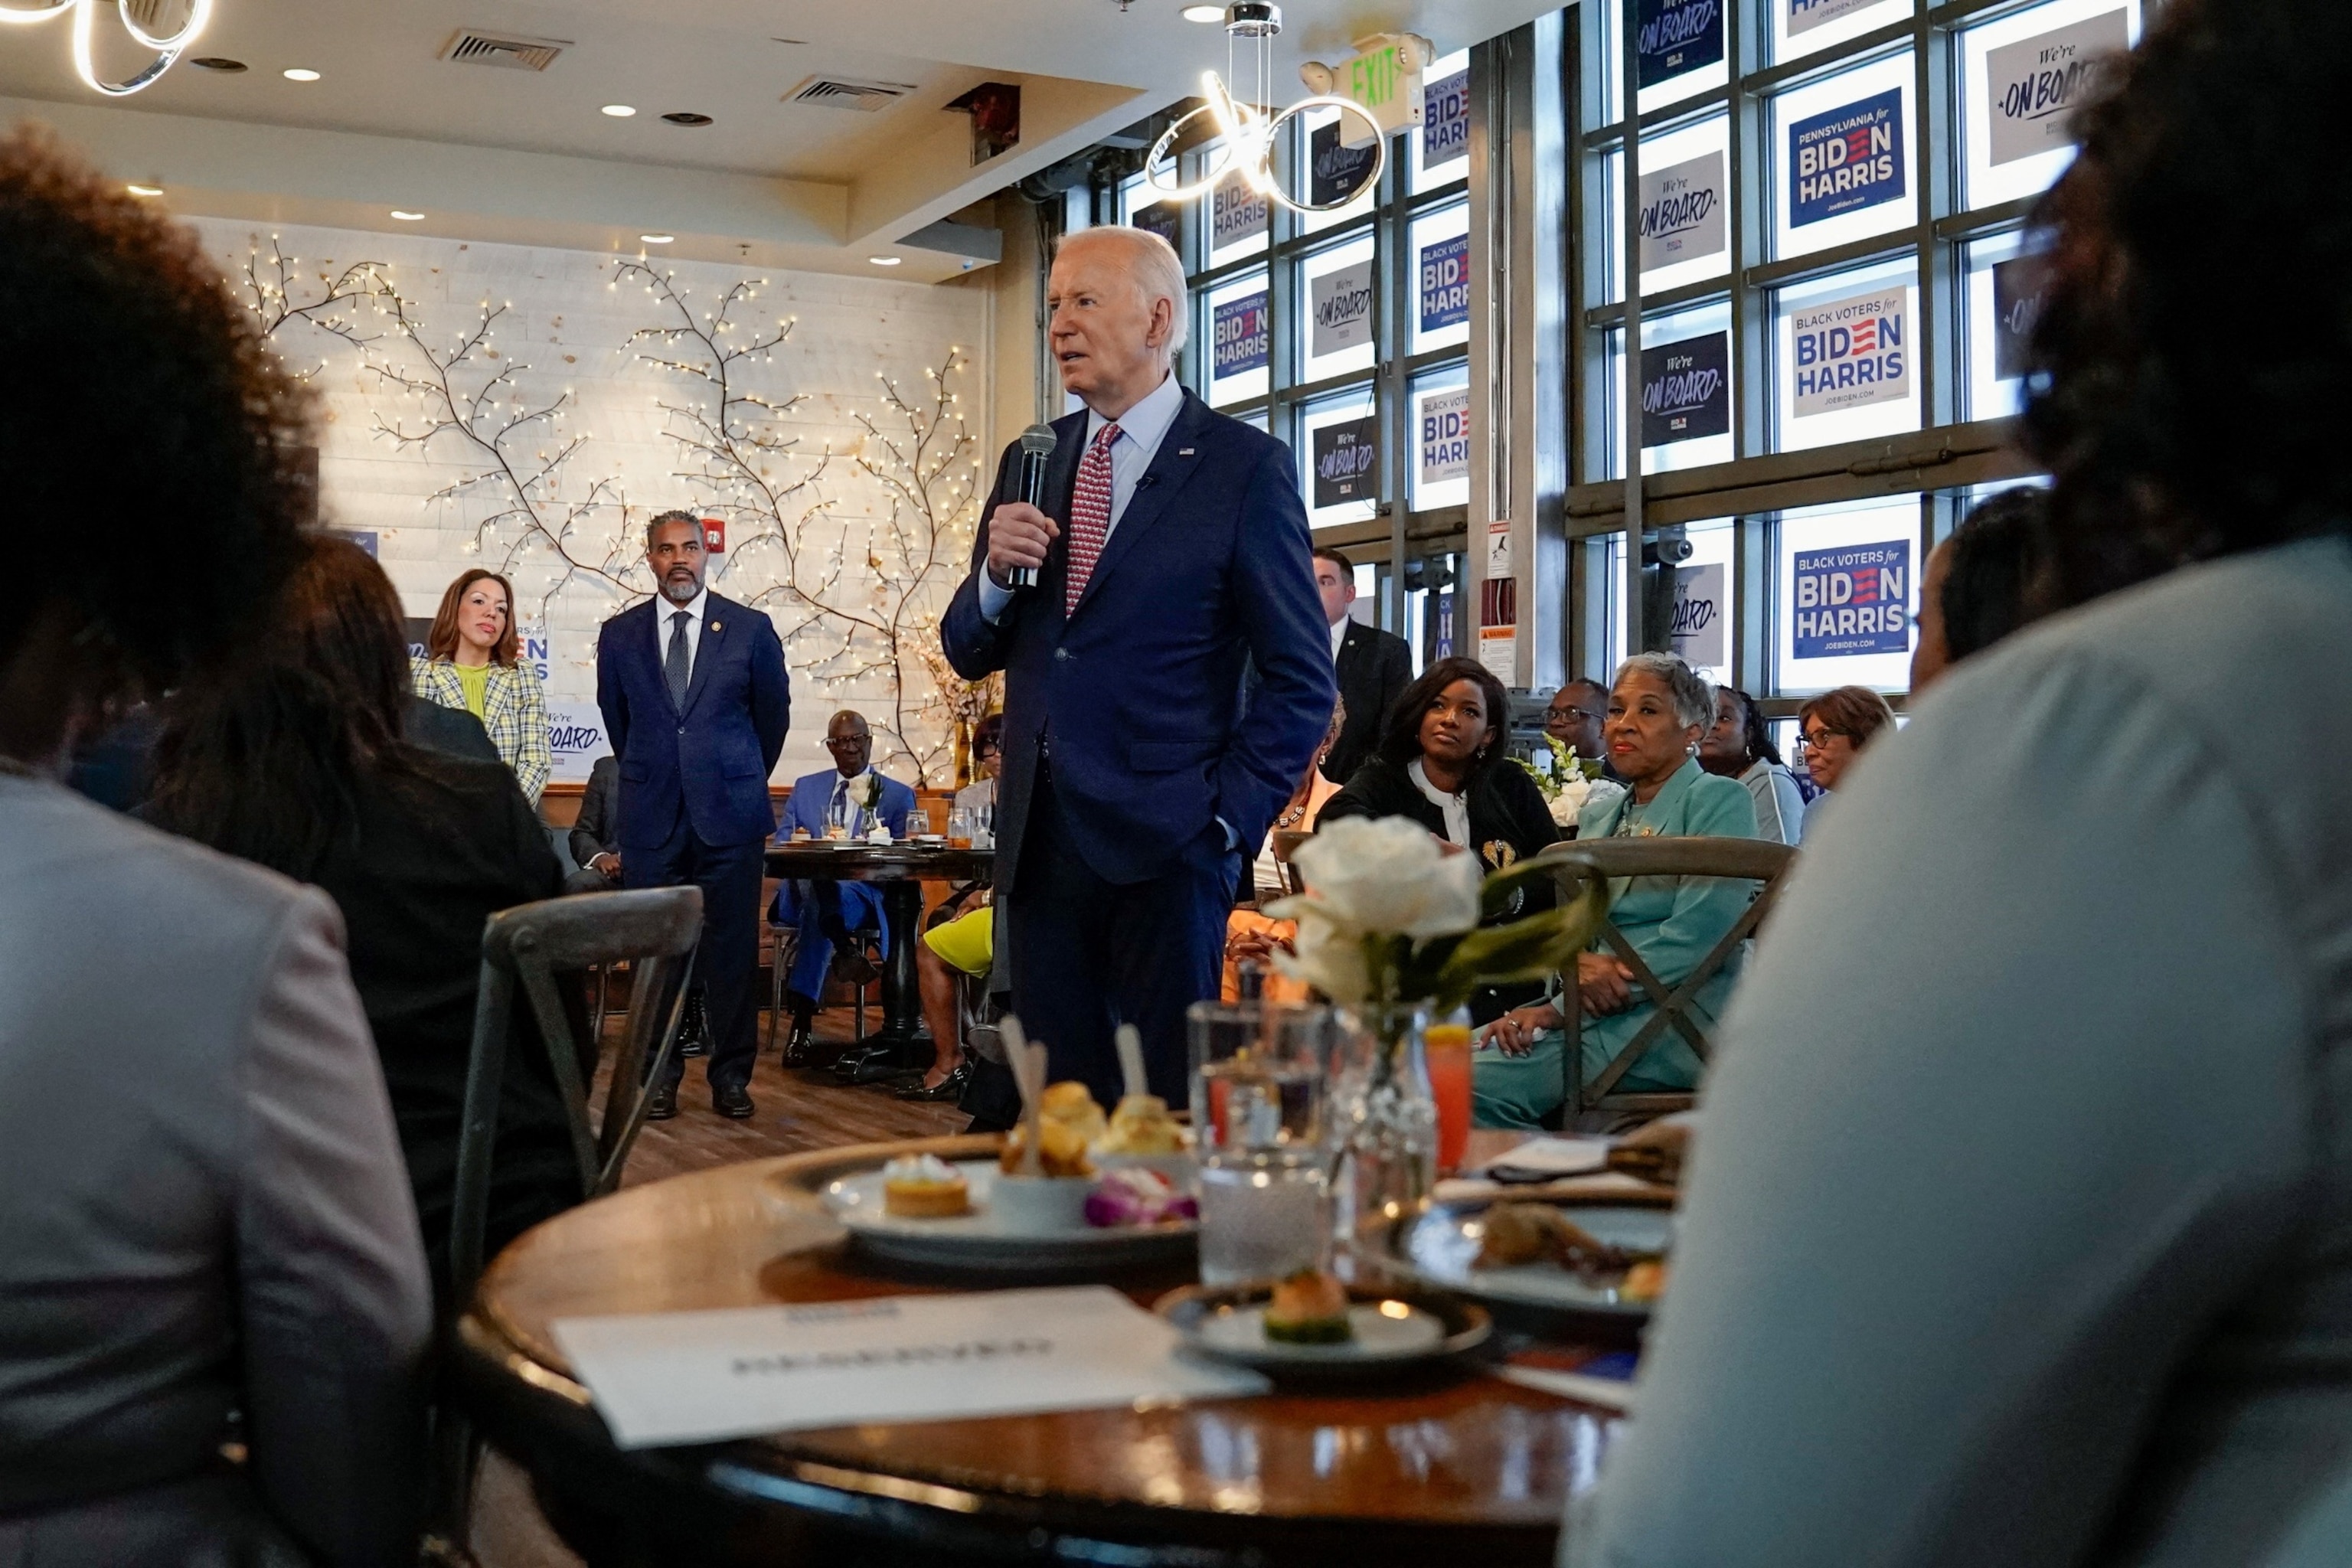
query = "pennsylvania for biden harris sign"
x=1847 y=159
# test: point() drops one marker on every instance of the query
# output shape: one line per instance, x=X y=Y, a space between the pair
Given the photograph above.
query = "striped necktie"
x=1089 y=517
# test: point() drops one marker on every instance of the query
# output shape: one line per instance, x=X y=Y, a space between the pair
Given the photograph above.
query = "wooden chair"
x=1286 y=845
x=1616 y=861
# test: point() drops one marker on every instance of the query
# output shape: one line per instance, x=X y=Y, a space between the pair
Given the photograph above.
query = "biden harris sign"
x=1847 y=159
x=1854 y=599
x=1850 y=352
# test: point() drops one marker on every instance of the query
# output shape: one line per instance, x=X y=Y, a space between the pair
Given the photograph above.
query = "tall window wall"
x=1347 y=333
x=1823 y=240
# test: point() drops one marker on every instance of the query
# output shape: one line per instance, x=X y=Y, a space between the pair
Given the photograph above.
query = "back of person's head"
x=266 y=763
x=138 y=387
x=1855 y=711
x=2210 y=155
x=1993 y=567
x=1400 y=737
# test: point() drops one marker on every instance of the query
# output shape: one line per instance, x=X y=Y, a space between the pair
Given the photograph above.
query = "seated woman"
x=1835 y=727
x=1252 y=937
x=200 y=1188
x=1739 y=746
x=959 y=939
x=473 y=662
x=1441 y=763
x=1657 y=711
x=296 y=763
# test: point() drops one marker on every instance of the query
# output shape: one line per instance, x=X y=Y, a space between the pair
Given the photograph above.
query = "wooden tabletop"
x=1458 y=1460
x=853 y=861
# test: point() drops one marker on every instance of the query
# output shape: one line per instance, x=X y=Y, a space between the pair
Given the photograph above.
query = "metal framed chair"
x=654 y=931
x=1286 y=845
x=1617 y=861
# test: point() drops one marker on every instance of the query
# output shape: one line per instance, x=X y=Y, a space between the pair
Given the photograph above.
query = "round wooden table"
x=901 y=868
x=1457 y=1463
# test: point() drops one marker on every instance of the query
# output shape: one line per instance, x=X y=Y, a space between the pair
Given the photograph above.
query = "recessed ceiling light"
x=144 y=189
x=407 y=218
x=300 y=73
x=620 y=111
x=687 y=117
x=883 y=260
x=656 y=238
x=1203 y=12
x=221 y=63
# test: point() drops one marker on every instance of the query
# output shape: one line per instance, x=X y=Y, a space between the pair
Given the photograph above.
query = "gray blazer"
x=203 y=1209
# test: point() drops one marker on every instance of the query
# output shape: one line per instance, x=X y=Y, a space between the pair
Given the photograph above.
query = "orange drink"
x=1446 y=1048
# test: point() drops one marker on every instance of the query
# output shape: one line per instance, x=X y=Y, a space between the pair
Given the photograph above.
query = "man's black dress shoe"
x=883 y=1067
x=662 y=1106
x=849 y=1063
x=798 y=1043
x=732 y=1101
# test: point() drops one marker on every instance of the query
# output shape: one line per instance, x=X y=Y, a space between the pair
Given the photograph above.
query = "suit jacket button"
x=1061 y=653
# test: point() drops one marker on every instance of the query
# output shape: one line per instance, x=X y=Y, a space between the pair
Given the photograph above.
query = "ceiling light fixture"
x=884 y=260
x=300 y=73
x=407 y=218
x=144 y=189
x=1202 y=12
x=167 y=46
x=687 y=117
x=656 y=238
x=619 y=111
x=220 y=63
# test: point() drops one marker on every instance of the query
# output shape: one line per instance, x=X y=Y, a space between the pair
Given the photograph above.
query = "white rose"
x=1387 y=875
x=1565 y=810
x=1328 y=956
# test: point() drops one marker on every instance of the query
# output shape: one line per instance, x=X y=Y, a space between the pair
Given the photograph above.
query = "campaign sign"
x=1446 y=437
x=1236 y=213
x=1340 y=303
x=576 y=738
x=1682 y=212
x=1853 y=600
x=364 y=538
x=1700 y=595
x=1675 y=36
x=1161 y=219
x=2035 y=84
x=1238 y=337
x=1445 y=283
x=1851 y=351
x=1347 y=461
x=1687 y=389
x=1445 y=119
x=1847 y=159
x=1441 y=624
x=534 y=653
x=1335 y=174
x=2017 y=286
x=1804 y=16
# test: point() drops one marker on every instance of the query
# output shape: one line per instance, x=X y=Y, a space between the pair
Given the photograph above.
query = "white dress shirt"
x=665 y=617
x=1141 y=430
x=1339 y=634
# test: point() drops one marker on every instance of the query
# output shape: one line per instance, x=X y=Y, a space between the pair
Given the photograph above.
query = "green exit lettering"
x=1374 y=79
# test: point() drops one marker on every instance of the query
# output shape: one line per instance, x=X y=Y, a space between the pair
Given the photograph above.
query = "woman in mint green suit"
x=1658 y=709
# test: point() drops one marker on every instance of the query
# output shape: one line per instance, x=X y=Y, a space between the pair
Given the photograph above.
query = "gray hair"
x=1692 y=693
x=1153 y=262
x=660 y=519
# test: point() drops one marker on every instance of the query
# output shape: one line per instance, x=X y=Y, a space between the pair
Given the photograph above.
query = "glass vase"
x=1383 y=1128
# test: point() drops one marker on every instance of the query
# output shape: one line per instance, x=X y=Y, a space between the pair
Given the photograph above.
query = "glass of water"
x=1259 y=1133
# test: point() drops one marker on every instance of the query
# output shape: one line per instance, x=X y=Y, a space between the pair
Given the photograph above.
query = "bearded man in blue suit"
x=1166 y=680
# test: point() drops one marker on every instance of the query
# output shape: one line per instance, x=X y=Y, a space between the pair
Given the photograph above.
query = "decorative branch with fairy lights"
x=843 y=628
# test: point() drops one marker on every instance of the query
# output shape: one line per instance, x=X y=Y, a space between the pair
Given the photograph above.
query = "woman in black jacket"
x=1441 y=763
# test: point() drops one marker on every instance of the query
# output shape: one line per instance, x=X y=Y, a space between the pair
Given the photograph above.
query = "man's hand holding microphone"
x=1018 y=537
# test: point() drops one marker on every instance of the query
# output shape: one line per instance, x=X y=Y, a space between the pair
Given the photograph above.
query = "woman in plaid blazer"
x=471 y=662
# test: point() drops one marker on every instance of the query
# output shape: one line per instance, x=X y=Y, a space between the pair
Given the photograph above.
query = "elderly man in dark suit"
x=1171 y=562
x=696 y=701
x=1374 y=667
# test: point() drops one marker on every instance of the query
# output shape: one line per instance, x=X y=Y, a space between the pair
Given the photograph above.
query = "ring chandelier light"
x=1247 y=133
x=167 y=46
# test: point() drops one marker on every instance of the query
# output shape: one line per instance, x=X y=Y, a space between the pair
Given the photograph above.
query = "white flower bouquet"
x=1568 y=781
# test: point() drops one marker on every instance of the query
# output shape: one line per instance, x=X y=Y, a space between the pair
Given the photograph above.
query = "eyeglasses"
x=844 y=743
x=1569 y=715
x=1820 y=739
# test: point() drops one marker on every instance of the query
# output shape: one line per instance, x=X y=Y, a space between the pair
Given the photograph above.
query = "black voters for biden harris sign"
x=1854 y=599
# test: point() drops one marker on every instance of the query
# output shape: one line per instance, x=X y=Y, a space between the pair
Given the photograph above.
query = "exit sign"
x=1384 y=80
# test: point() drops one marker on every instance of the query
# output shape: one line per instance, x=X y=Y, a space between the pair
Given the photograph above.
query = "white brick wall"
x=568 y=328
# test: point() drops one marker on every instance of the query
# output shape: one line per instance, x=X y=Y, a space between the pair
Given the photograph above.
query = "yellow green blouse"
x=474 y=679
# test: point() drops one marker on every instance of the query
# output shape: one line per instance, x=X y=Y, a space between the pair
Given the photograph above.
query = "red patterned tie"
x=1089 y=517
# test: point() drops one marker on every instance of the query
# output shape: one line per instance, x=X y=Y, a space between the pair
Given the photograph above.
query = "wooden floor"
x=797 y=1111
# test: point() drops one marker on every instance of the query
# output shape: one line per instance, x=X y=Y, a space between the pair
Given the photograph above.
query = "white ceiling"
x=389 y=124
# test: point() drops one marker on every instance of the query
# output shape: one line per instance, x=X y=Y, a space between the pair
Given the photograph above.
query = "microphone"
x=1037 y=444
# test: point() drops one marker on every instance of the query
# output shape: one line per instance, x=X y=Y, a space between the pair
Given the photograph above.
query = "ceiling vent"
x=843 y=92
x=470 y=48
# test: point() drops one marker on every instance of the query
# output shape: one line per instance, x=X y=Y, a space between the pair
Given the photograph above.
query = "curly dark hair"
x=139 y=388
x=2209 y=153
x=1401 y=736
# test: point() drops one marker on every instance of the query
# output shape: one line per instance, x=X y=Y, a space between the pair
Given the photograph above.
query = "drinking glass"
x=960 y=827
x=1258 y=1127
x=983 y=827
x=1447 y=1045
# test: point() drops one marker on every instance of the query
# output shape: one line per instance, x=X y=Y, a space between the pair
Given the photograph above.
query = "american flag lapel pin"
x=1184 y=451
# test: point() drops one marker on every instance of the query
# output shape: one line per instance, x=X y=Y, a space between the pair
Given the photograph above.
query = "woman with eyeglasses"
x=1658 y=711
x=1834 y=727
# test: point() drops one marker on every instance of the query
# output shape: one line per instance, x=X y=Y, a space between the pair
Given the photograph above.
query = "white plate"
x=1239 y=1332
x=979 y=1240
x=1441 y=1248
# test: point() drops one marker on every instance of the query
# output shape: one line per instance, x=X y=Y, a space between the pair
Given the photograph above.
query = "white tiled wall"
x=568 y=328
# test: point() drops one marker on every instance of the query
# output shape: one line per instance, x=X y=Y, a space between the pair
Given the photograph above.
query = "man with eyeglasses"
x=1574 y=719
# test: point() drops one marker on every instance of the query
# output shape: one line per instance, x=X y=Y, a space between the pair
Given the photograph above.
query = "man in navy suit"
x=826 y=912
x=1172 y=571
x=696 y=701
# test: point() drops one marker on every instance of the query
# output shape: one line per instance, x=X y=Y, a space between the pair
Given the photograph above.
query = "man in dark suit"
x=594 y=831
x=696 y=702
x=1171 y=556
x=1374 y=667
